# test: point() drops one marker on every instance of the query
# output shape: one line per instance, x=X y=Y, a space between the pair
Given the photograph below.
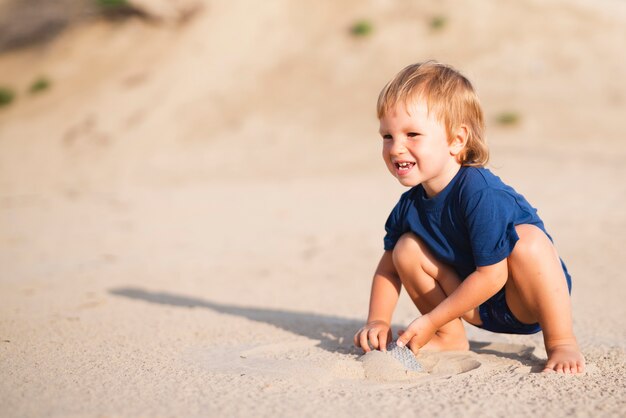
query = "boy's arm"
x=384 y=295
x=474 y=290
x=386 y=287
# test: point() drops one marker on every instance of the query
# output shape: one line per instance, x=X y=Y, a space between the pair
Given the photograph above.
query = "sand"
x=191 y=214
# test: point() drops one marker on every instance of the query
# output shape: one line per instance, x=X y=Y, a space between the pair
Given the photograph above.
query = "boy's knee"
x=532 y=241
x=407 y=248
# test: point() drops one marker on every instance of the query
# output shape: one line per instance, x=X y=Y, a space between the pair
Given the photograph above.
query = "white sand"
x=190 y=217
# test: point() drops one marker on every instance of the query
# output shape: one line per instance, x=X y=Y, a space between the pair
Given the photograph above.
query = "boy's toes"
x=573 y=368
x=549 y=367
x=565 y=368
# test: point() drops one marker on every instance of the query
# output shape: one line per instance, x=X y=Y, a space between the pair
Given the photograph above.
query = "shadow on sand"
x=334 y=333
x=522 y=353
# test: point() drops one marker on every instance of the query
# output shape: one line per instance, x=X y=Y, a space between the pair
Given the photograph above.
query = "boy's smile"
x=404 y=167
x=416 y=149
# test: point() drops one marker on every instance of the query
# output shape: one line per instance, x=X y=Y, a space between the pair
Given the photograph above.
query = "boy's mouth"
x=404 y=166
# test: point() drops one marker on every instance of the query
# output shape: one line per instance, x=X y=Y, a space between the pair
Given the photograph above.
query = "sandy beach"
x=191 y=213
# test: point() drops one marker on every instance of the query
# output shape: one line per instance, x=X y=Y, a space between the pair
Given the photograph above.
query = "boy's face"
x=416 y=149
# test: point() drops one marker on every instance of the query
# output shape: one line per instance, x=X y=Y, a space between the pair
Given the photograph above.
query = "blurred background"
x=97 y=94
x=154 y=140
x=156 y=134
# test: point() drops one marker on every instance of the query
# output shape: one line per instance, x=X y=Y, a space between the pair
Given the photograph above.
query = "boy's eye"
x=412 y=134
x=387 y=136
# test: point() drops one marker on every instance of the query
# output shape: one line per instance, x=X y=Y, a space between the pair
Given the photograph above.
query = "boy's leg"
x=428 y=282
x=537 y=292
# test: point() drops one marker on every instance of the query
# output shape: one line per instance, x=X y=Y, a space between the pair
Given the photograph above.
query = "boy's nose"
x=397 y=148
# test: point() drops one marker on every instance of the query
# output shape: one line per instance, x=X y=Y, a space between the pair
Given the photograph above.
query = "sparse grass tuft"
x=112 y=4
x=39 y=85
x=508 y=118
x=362 y=28
x=438 y=22
x=119 y=9
x=6 y=96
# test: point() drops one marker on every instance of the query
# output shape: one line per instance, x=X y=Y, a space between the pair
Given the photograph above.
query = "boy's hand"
x=374 y=334
x=418 y=333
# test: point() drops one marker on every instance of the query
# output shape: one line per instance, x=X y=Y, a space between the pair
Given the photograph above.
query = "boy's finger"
x=383 y=340
x=405 y=338
x=413 y=345
x=373 y=338
x=363 y=340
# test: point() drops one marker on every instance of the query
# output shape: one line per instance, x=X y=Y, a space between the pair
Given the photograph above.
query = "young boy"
x=461 y=242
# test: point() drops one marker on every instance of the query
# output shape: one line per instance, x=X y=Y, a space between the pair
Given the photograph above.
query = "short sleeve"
x=490 y=219
x=394 y=227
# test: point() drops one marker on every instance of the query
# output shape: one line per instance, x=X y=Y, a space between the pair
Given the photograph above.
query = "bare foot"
x=565 y=358
x=446 y=342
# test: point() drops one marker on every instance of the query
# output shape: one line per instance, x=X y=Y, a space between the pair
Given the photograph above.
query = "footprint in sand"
x=450 y=363
x=382 y=367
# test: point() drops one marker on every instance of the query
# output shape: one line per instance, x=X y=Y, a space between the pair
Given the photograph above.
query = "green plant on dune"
x=508 y=118
x=39 y=85
x=119 y=9
x=112 y=4
x=6 y=96
x=438 y=22
x=361 y=28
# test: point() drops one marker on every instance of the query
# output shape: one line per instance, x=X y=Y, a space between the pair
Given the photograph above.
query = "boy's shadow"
x=522 y=353
x=334 y=333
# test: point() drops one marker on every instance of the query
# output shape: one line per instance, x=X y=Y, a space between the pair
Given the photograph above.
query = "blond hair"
x=449 y=95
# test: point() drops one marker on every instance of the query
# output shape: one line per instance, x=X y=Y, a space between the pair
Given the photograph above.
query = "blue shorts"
x=497 y=317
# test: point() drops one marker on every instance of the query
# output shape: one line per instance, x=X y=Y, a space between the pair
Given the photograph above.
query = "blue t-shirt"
x=470 y=223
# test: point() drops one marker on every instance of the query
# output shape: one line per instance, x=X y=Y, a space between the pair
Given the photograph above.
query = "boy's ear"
x=459 y=140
